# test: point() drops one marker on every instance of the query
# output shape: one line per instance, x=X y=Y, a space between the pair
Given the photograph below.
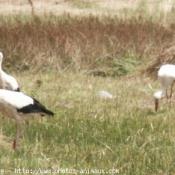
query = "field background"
x=79 y=7
x=64 y=53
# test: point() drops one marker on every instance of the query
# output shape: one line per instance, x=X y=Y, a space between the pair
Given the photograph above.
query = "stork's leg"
x=15 y=143
x=171 y=91
x=19 y=133
x=167 y=94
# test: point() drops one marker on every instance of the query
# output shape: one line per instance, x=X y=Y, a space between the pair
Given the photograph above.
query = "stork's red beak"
x=156 y=104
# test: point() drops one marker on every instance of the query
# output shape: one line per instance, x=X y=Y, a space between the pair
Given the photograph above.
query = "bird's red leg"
x=171 y=91
x=167 y=94
x=15 y=143
x=19 y=134
x=156 y=104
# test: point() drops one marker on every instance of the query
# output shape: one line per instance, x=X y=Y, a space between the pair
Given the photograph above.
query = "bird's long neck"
x=1 y=65
x=1 y=76
x=159 y=94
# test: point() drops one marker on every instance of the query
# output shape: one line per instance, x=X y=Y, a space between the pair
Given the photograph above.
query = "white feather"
x=15 y=99
x=166 y=77
x=12 y=105
x=7 y=81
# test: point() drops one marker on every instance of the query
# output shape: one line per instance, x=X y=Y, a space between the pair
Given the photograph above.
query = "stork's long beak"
x=156 y=104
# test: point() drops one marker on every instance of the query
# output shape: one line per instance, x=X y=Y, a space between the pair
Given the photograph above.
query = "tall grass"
x=78 y=43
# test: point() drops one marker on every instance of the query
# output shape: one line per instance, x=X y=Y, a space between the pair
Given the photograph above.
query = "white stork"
x=166 y=77
x=7 y=81
x=20 y=107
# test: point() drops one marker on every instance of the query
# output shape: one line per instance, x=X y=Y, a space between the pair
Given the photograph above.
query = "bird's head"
x=157 y=96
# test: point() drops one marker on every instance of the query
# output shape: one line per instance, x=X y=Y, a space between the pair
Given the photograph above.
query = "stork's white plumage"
x=20 y=107
x=7 y=81
x=166 y=77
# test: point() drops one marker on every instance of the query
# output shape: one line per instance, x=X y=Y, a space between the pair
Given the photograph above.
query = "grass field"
x=88 y=133
x=64 y=62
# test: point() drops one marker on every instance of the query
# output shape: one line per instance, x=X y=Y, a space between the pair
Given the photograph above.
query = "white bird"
x=7 y=81
x=166 y=77
x=20 y=107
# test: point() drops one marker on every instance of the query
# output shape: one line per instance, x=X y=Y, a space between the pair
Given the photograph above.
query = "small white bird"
x=20 y=107
x=7 y=81
x=166 y=77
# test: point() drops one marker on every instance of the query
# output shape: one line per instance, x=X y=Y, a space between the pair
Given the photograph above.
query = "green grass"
x=88 y=132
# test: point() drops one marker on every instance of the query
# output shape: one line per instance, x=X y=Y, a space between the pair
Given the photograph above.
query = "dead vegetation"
x=81 y=43
x=99 y=45
x=166 y=55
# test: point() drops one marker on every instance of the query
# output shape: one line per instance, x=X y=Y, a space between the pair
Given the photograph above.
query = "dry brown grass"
x=79 y=43
x=93 y=43
x=166 y=55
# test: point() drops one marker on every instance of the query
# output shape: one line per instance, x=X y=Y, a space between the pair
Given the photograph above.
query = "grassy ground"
x=64 y=62
x=87 y=132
